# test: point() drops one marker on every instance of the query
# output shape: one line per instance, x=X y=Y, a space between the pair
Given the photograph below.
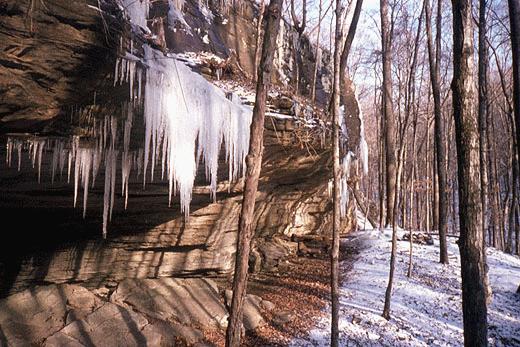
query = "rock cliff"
x=57 y=60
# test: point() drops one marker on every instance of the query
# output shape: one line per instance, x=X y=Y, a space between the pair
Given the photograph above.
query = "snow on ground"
x=426 y=309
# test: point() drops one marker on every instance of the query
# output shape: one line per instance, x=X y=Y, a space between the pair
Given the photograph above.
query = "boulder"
x=30 y=316
x=191 y=302
x=114 y=325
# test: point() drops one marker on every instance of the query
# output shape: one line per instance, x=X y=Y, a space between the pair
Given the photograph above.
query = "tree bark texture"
x=390 y=134
x=334 y=255
x=253 y=162
x=468 y=159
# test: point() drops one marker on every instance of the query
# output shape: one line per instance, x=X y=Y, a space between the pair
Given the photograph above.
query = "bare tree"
x=434 y=58
x=393 y=178
x=340 y=64
x=482 y=109
x=253 y=162
x=334 y=254
x=468 y=159
x=388 y=106
x=514 y=18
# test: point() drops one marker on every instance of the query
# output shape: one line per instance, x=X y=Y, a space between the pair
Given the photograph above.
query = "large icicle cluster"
x=187 y=119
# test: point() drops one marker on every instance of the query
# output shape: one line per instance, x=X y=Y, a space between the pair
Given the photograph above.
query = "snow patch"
x=426 y=308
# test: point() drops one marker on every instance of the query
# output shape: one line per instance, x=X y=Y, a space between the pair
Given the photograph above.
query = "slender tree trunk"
x=494 y=195
x=317 y=54
x=514 y=18
x=439 y=127
x=468 y=158
x=514 y=199
x=389 y=119
x=483 y=120
x=334 y=255
x=254 y=163
x=482 y=110
x=382 y=173
x=413 y=178
x=428 y=221
x=259 y=36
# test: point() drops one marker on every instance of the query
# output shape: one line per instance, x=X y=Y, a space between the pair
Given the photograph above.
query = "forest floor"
x=426 y=308
x=299 y=291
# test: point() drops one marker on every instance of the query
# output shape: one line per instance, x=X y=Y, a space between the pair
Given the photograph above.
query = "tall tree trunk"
x=254 y=163
x=388 y=107
x=468 y=158
x=514 y=201
x=482 y=111
x=514 y=18
x=439 y=127
x=484 y=137
x=334 y=254
x=382 y=181
x=511 y=225
x=494 y=196
x=427 y=209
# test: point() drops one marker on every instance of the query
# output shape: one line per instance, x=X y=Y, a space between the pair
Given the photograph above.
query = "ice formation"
x=14 y=143
x=363 y=146
x=187 y=119
x=175 y=14
x=348 y=159
x=346 y=163
x=137 y=11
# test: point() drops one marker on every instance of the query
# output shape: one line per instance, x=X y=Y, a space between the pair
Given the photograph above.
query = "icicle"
x=344 y=190
x=69 y=166
x=131 y=73
x=86 y=165
x=36 y=152
x=108 y=196
x=182 y=111
x=9 y=152
x=126 y=159
x=19 y=148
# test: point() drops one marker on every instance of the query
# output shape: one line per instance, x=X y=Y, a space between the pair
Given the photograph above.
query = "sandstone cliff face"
x=53 y=56
x=57 y=56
